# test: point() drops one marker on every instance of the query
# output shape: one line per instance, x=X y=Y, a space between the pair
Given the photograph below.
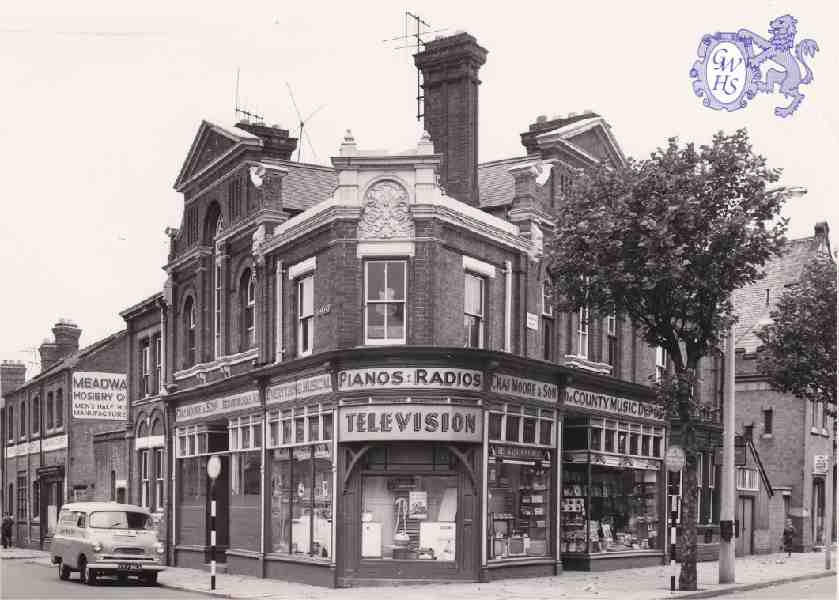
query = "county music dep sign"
x=100 y=396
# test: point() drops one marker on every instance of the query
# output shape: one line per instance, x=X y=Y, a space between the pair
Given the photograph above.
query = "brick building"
x=796 y=438
x=50 y=422
x=369 y=351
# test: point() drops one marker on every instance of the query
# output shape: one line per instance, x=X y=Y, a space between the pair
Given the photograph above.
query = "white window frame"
x=145 y=479
x=583 y=320
x=514 y=410
x=145 y=366
x=547 y=307
x=319 y=411
x=481 y=318
x=159 y=462
x=662 y=357
x=747 y=479
x=307 y=318
x=250 y=307
x=712 y=479
x=700 y=463
x=238 y=426
x=158 y=360
x=385 y=341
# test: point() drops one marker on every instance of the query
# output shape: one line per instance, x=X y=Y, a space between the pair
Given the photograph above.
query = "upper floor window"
x=189 y=332
x=473 y=310
x=662 y=358
x=11 y=421
x=36 y=415
x=384 y=302
x=767 y=421
x=50 y=409
x=217 y=300
x=145 y=369
x=305 y=314
x=612 y=339
x=158 y=363
x=583 y=314
x=23 y=418
x=248 y=305
x=547 y=304
x=59 y=409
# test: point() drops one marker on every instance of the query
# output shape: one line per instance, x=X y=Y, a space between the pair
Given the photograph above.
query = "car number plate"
x=130 y=566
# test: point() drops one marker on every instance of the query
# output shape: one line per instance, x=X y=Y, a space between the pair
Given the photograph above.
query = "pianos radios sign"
x=100 y=396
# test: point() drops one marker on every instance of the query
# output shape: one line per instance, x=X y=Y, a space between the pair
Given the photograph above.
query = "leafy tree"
x=798 y=355
x=665 y=241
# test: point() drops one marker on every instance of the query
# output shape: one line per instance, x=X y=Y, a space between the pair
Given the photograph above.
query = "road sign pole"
x=213 y=471
x=726 y=572
x=674 y=515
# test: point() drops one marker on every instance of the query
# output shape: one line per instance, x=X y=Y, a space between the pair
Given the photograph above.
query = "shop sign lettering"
x=521 y=452
x=100 y=396
x=523 y=388
x=411 y=422
x=611 y=404
x=217 y=406
x=299 y=389
x=50 y=444
x=413 y=377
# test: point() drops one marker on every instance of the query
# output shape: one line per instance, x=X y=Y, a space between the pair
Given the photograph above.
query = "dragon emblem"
x=727 y=74
x=778 y=49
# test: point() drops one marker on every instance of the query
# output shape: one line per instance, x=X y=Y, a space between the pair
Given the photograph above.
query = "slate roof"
x=495 y=184
x=306 y=185
x=750 y=302
x=71 y=360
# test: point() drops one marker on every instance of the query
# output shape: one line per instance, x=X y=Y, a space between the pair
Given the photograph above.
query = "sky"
x=100 y=103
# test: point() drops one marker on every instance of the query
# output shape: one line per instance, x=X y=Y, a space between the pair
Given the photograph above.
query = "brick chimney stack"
x=449 y=69
x=275 y=139
x=822 y=233
x=67 y=335
x=12 y=376
x=49 y=354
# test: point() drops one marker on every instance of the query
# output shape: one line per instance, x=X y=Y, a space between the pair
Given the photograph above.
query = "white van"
x=106 y=538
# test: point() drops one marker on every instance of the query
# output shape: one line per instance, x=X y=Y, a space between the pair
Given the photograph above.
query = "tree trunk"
x=687 y=539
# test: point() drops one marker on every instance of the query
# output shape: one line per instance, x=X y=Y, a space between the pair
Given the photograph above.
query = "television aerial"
x=301 y=133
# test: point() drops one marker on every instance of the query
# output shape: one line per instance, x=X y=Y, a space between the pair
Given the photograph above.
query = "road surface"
x=22 y=579
x=823 y=588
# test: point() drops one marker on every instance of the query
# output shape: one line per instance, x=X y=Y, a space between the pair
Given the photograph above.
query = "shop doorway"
x=745 y=514
x=408 y=512
x=818 y=512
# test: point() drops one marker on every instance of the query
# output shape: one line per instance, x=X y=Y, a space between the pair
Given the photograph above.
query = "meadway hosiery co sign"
x=572 y=397
x=100 y=396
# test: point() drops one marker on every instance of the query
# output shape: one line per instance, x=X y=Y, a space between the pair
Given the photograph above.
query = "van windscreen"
x=120 y=519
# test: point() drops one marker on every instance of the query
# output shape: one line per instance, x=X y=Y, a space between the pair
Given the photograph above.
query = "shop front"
x=613 y=480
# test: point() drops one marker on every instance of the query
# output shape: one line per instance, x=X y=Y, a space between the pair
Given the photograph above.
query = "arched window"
x=247 y=301
x=50 y=411
x=189 y=332
x=218 y=296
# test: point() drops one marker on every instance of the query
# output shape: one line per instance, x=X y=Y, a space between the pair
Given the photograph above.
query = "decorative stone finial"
x=348 y=146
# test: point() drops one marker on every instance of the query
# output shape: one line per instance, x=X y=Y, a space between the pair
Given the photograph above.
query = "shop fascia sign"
x=410 y=422
x=217 y=406
x=384 y=378
x=624 y=407
x=100 y=396
x=523 y=388
x=612 y=460
x=519 y=452
x=50 y=444
x=299 y=389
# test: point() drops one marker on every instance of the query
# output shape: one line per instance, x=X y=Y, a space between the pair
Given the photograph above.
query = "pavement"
x=648 y=583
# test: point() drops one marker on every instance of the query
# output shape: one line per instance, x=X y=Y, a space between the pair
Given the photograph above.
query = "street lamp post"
x=727 y=487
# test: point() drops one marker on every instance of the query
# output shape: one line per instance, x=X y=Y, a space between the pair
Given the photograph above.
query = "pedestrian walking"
x=8 y=522
x=789 y=534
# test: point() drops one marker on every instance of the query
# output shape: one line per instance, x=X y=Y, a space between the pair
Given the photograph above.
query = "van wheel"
x=82 y=563
x=91 y=577
x=63 y=571
x=149 y=578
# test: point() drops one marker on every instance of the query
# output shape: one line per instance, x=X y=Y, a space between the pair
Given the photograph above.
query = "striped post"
x=213 y=535
x=674 y=514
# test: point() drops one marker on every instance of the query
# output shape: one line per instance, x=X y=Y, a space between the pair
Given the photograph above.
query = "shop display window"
x=409 y=517
x=615 y=511
x=519 y=509
x=301 y=468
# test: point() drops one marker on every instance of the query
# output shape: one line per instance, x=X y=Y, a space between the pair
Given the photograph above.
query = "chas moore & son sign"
x=100 y=396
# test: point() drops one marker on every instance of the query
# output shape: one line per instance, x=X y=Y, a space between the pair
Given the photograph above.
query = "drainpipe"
x=508 y=308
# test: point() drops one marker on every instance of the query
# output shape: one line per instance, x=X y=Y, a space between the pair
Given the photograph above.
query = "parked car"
x=106 y=538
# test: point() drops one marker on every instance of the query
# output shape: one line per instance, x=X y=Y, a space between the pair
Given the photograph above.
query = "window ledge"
x=814 y=430
x=825 y=432
x=766 y=436
x=580 y=362
x=224 y=361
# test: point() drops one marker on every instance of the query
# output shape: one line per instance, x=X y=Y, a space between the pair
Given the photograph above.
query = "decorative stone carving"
x=258 y=240
x=257 y=174
x=385 y=214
